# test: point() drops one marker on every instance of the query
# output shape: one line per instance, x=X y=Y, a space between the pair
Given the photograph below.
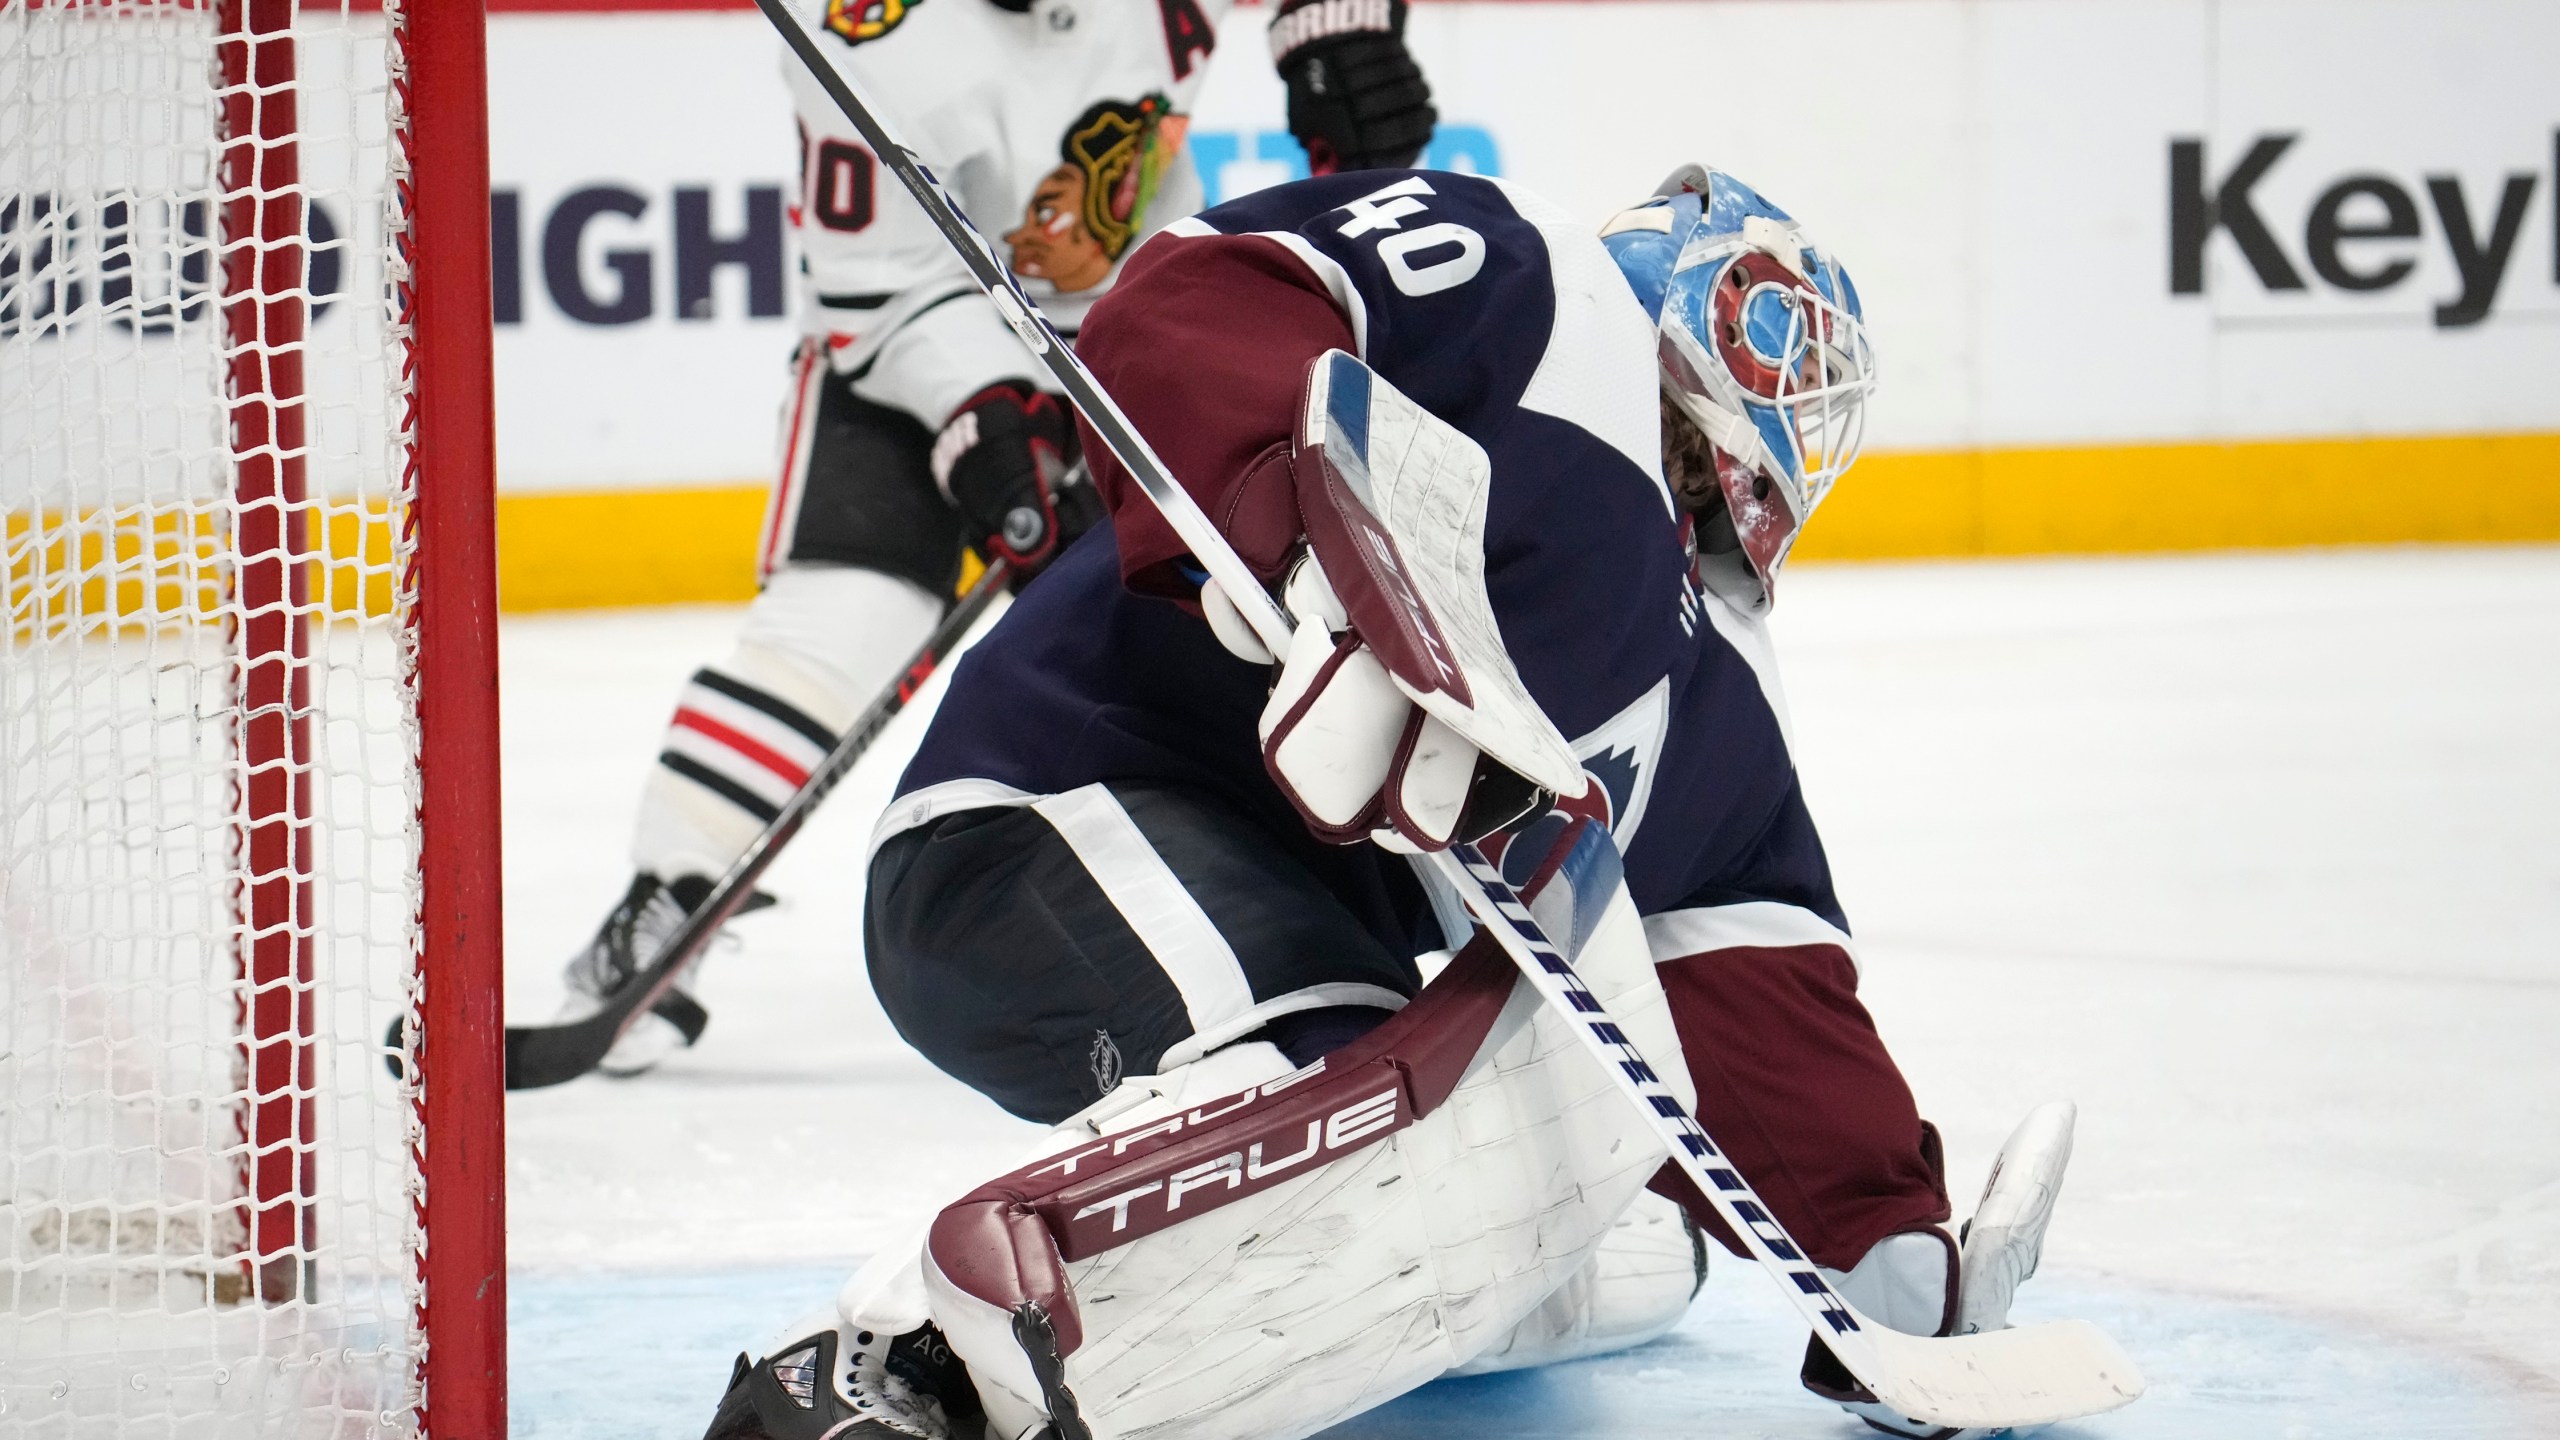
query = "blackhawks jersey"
x=1506 y=318
x=1057 y=124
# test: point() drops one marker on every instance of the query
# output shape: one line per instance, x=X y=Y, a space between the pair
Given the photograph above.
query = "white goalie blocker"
x=1395 y=682
x=1395 y=493
x=1240 y=1250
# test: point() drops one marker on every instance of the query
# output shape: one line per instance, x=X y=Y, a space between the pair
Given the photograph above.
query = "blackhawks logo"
x=860 y=20
x=1083 y=214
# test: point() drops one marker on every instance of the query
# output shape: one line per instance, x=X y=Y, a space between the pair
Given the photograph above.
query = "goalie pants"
x=1038 y=953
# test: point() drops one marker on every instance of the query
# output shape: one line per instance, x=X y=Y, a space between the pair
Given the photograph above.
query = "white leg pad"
x=1296 y=1306
x=1635 y=1287
x=833 y=636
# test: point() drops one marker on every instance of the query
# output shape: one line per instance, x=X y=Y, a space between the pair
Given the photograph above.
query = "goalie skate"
x=833 y=1381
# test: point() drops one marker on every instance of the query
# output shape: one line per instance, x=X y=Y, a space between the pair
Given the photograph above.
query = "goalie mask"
x=1762 y=350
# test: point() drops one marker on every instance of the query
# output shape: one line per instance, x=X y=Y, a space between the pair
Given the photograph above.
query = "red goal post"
x=248 y=722
x=462 y=1057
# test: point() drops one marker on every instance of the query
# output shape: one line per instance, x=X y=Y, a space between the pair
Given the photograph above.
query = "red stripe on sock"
x=745 y=744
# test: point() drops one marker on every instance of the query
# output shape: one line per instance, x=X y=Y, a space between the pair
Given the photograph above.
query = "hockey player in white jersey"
x=913 y=428
x=1149 y=883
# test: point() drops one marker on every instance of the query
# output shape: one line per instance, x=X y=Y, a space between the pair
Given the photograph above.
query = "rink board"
x=2070 y=364
x=2023 y=228
x=2075 y=356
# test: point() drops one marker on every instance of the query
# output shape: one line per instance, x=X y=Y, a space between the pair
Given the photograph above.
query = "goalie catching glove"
x=1006 y=461
x=1397 y=714
x=1357 y=100
x=1358 y=758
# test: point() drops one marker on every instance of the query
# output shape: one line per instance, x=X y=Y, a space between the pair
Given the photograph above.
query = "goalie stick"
x=541 y=1055
x=2023 y=1376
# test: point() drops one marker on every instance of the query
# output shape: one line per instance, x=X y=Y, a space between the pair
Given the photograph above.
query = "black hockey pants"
x=1040 y=952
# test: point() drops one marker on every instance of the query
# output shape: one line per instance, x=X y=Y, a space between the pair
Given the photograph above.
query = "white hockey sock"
x=818 y=645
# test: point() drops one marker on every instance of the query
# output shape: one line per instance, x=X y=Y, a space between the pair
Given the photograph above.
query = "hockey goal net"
x=233 y=836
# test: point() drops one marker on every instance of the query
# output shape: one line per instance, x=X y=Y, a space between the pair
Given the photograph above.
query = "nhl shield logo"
x=1106 y=1063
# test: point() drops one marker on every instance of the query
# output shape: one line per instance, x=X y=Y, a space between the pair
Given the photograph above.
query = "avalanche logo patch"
x=860 y=20
x=1620 y=755
x=1083 y=214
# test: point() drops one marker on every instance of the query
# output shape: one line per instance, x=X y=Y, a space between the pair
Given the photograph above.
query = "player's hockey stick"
x=2029 y=1375
x=540 y=1055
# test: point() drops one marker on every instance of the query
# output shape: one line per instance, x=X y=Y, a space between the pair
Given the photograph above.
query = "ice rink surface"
x=2255 y=857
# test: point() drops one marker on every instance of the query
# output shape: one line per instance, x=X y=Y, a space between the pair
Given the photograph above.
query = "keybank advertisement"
x=2077 y=223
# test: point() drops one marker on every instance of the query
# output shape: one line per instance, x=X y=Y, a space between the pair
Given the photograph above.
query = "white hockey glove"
x=1397 y=714
x=1349 y=749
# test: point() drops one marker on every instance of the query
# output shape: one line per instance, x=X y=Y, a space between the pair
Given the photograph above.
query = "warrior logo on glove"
x=1357 y=100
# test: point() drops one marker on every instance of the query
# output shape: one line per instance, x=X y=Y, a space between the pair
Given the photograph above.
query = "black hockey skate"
x=630 y=937
x=851 y=1385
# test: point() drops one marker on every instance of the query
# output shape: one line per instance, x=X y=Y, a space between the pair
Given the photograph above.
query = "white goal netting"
x=208 y=854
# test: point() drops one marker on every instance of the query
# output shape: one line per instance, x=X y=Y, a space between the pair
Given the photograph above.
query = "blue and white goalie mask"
x=1763 y=352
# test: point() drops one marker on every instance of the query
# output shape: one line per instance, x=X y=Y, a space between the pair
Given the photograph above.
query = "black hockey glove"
x=1356 y=99
x=1006 y=462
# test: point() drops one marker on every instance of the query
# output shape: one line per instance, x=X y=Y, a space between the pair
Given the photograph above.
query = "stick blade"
x=2030 y=1375
x=539 y=1056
